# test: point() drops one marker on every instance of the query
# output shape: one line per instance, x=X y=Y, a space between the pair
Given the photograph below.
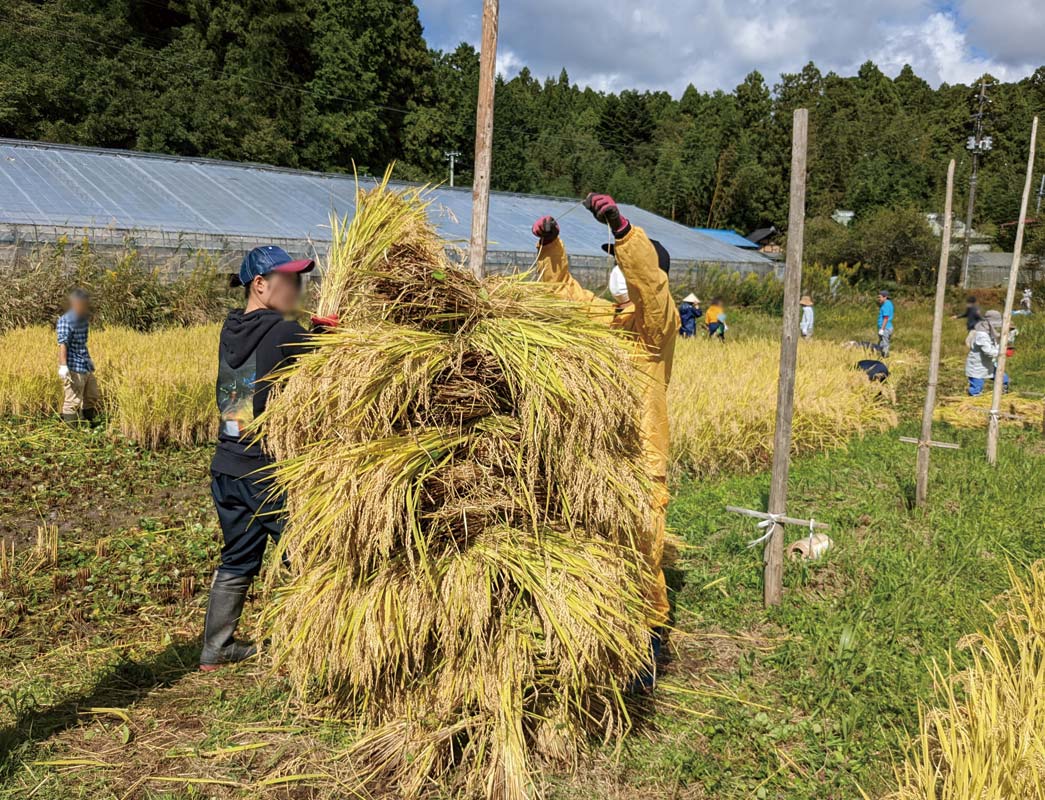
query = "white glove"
x=881 y=331
x=63 y=372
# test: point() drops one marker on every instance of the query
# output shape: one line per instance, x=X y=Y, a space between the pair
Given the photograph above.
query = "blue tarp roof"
x=728 y=237
x=79 y=187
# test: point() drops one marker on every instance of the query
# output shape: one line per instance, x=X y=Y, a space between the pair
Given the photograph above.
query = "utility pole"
x=452 y=156
x=1041 y=194
x=483 y=140
x=976 y=144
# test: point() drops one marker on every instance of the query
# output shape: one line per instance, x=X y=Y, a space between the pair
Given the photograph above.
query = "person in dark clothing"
x=972 y=313
x=876 y=371
x=254 y=342
x=689 y=312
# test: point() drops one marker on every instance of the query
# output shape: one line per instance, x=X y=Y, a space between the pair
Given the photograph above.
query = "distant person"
x=1026 y=302
x=715 y=318
x=832 y=285
x=885 y=322
x=972 y=313
x=876 y=371
x=984 y=343
x=805 y=325
x=689 y=312
x=75 y=368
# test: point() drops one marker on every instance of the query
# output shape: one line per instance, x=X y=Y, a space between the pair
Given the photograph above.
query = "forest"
x=326 y=85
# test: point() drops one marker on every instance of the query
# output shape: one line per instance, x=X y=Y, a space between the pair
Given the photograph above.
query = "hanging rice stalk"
x=463 y=482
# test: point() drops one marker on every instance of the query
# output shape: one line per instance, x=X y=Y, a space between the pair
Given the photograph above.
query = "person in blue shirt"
x=75 y=368
x=689 y=312
x=885 y=321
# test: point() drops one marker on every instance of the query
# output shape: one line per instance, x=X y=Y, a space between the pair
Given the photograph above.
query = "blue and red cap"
x=269 y=258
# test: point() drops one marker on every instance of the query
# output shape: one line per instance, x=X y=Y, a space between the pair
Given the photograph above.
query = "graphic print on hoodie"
x=252 y=346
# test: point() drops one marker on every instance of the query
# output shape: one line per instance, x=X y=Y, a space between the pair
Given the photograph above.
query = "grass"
x=816 y=699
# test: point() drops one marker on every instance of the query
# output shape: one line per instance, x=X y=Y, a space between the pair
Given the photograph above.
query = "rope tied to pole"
x=769 y=523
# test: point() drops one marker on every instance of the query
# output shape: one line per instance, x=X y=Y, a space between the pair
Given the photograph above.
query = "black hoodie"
x=252 y=346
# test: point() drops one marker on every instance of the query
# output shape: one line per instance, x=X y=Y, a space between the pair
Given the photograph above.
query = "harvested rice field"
x=915 y=628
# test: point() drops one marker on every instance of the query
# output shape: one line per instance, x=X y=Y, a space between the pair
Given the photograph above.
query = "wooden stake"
x=921 y=491
x=483 y=140
x=785 y=398
x=1010 y=297
x=930 y=443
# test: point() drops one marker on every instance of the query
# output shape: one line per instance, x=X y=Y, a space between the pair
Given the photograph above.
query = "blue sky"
x=665 y=44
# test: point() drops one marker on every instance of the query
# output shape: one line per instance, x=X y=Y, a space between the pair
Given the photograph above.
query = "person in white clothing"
x=805 y=325
x=984 y=343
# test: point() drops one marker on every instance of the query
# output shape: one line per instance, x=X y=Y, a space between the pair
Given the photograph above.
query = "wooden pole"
x=921 y=491
x=483 y=140
x=785 y=397
x=1010 y=297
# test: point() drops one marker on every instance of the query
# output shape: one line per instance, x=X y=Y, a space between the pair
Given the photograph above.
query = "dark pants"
x=717 y=329
x=248 y=516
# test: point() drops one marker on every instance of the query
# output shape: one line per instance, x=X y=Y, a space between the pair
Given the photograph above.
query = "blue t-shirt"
x=885 y=310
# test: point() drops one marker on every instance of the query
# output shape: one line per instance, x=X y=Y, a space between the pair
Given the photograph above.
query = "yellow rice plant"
x=722 y=403
x=971 y=412
x=156 y=387
x=986 y=739
x=464 y=496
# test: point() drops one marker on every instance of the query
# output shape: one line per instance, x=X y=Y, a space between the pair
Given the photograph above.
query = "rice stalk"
x=465 y=500
x=986 y=738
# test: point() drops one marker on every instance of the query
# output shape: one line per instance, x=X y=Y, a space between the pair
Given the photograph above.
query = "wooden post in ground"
x=483 y=140
x=785 y=397
x=1010 y=297
x=921 y=490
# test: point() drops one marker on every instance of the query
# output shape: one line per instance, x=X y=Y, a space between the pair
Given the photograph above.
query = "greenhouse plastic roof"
x=79 y=187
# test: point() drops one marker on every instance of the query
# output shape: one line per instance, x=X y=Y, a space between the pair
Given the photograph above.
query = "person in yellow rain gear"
x=649 y=313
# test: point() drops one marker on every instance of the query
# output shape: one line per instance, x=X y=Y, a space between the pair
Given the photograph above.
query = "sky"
x=666 y=44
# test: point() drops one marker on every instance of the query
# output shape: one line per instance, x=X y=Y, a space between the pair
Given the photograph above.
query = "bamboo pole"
x=483 y=140
x=921 y=491
x=1010 y=297
x=785 y=400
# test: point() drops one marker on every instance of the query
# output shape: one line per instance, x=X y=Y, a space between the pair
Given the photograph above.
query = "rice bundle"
x=971 y=412
x=461 y=466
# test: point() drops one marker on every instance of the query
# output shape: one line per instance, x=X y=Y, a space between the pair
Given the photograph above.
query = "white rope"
x=770 y=523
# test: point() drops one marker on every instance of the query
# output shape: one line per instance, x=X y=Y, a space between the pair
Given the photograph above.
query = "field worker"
x=652 y=318
x=689 y=313
x=1026 y=302
x=75 y=368
x=885 y=321
x=254 y=342
x=972 y=313
x=805 y=325
x=715 y=317
x=984 y=343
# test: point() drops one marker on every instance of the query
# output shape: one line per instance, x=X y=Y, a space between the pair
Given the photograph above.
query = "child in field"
x=805 y=325
x=715 y=317
x=75 y=367
x=254 y=342
x=984 y=343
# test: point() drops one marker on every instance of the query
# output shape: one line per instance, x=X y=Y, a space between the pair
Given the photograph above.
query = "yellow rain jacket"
x=653 y=319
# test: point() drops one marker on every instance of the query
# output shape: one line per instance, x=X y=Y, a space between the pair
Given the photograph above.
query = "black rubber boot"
x=72 y=420
x=90 y=415
x=224 y=607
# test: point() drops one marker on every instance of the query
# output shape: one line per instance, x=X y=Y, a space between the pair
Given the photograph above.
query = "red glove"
x=604 y=209
x=327 y=323
x=546 y=229
x=1010 y=352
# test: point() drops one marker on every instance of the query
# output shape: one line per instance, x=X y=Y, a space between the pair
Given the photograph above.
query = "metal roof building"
x=162 y=201
x=728 y=237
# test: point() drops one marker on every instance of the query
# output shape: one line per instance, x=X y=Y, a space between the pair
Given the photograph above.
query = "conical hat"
x=691 y=298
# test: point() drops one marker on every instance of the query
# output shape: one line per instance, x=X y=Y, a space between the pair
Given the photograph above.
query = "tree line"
x=327 y=85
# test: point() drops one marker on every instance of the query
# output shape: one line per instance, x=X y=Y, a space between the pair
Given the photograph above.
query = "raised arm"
x=553 y=267
x=640 y=263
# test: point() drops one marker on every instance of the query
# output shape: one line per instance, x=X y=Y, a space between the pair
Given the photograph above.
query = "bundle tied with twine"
x=464 y=495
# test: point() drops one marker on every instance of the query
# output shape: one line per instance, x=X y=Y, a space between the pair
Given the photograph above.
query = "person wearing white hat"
x=805 y=325
x=689 y=312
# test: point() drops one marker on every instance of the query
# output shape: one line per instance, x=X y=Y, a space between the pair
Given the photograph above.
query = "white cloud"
x=665 y=44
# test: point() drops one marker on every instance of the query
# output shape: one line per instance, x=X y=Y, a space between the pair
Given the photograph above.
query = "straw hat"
x=806 y=300
x=691 y=298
